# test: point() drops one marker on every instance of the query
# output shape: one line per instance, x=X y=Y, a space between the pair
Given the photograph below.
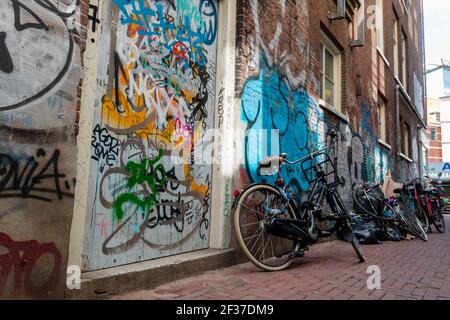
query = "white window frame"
x=406 y=133
x=382 y=128
x=396 y=48
x=328 y=45
x=380 y=25
x=404 y=60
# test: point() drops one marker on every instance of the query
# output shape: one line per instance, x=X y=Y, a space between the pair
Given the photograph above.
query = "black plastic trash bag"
x=366 y=230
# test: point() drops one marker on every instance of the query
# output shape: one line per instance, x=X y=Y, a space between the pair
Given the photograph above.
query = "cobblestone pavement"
x=410 y=270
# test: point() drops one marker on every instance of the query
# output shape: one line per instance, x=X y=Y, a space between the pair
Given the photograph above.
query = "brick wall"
x=278 y=78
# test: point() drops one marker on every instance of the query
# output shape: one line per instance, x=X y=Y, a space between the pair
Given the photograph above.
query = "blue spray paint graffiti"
x=194 y=28
x=269 y=103
x=282 y=120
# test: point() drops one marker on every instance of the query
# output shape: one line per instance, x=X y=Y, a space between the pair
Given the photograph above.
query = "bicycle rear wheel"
x=266 y=251
x=422 y=215
x=439 y=220
x=410 y=221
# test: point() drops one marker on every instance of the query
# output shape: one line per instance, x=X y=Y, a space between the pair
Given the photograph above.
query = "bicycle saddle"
x=398 y=191
x=270 y=166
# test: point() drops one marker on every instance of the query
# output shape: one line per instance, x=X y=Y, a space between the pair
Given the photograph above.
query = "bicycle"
x=427 y=203
x=389 y=210
x=272 y=229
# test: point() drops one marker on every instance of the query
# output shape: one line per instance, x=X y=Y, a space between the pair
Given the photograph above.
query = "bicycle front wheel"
x=266 y=251
x=410 y=221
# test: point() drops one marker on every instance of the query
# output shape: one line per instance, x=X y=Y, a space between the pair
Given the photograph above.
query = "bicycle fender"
x=236 y=200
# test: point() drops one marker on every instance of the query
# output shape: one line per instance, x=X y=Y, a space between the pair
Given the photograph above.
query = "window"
x=330 y=73
x=395 y=47
x=446 y=81
x=438 y=117
x=406 y=139
x=404 y=78
x=433 y=134
x=380 y=25
x=382 y=120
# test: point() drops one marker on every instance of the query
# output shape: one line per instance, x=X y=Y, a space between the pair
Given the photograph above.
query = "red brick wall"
x=298 y=24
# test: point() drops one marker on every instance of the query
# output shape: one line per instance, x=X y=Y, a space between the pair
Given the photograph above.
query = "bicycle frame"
x=426 y=202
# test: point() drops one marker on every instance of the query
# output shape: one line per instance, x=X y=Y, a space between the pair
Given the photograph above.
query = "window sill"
x=333 y=110
x=385 y=144
x=402 y=87
x=405 y=158
x=386 y=62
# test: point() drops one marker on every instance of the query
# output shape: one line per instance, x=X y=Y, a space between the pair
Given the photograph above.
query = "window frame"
x=326 y=44
x=404 y=59
x=379 y=22
x=433 y=134
x=406 y=139
x=396 y=46
x=382 y=119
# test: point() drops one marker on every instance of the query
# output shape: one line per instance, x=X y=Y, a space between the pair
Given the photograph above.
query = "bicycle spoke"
x=249 y=224
x=248 y=208
x=256 y=241
x=254 y=235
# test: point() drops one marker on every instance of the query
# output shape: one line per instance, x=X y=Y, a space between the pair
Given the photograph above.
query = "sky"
x=437 y=30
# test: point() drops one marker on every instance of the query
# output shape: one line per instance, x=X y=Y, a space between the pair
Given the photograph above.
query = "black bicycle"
x=371 y=201
x=272 y=228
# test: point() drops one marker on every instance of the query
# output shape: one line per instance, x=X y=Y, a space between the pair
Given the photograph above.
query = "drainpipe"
x=419 y=148
x=397 y=122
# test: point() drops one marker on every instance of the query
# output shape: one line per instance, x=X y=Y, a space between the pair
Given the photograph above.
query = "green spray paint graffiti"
x=144 y=174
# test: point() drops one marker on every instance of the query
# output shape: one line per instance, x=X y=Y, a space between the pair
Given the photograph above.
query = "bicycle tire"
x=422 y=216
x=361 y=206
x=442 y=227
x=355 y=243
x=248 y=246
x=359 y=251
x=410 y=220
x=439 y=220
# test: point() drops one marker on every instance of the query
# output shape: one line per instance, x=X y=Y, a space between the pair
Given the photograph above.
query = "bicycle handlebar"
x=283 y=157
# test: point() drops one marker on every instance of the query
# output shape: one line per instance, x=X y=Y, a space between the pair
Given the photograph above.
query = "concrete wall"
x=39 y=77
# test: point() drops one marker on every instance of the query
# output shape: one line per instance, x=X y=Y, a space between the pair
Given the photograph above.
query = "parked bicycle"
x=426 y=202
x=272 y=228
x=371 y=200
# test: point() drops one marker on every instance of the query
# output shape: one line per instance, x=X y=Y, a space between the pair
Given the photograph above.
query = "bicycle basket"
x=373 y=201
x=322 y=163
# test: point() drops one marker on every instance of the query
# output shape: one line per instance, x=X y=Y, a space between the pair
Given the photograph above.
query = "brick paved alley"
x=410 y=270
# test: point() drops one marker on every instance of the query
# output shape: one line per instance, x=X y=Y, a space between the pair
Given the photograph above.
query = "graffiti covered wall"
x=150 y=197
x=278 y=86
x=39 y=78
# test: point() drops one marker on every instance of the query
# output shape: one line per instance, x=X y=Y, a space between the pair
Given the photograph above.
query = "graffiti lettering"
x=21 y=259
x=106 y=147
x=26 y=181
